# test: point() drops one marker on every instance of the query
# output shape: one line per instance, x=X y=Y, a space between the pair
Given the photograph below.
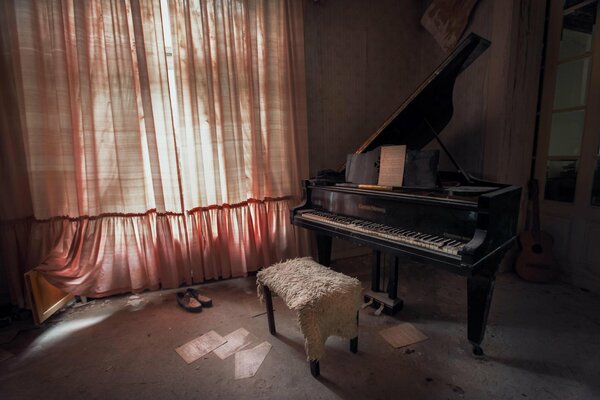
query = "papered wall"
x=363 y=58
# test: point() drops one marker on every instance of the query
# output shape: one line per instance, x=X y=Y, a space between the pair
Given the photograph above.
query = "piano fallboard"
x=426 y=214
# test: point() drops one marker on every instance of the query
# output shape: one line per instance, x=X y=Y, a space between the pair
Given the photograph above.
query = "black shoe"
x=204 y=300
x=188 y=302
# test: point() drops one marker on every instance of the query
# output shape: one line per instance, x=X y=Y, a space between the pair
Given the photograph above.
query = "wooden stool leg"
x=354 y=340
x=314 y=368
x=270 y=316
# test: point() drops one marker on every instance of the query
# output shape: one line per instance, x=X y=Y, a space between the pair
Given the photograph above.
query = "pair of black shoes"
x=192 y=301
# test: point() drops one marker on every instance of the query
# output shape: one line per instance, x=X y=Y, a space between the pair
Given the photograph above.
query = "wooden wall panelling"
x=561 y=231
x=589 y=265
x=513 y=81
x=464 y=135
x=362 y=60
x=335 y=43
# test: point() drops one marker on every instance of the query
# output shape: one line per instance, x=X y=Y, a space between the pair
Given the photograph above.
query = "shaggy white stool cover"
x=326 y=302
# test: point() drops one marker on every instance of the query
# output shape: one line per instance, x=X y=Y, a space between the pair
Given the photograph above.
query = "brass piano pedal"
x=379 y=310
x=367 y=304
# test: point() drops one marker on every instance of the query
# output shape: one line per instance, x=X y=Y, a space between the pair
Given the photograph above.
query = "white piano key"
x=400 y=235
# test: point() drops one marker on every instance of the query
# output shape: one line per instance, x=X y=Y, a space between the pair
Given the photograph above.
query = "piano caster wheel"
x=477 y=350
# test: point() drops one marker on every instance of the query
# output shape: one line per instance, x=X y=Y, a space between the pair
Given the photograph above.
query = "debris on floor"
x=236 y=341
x=255 y=308
x=402 y=335
x=247 y=362
x=456 y=389
x=134 y=300
x=193 y=350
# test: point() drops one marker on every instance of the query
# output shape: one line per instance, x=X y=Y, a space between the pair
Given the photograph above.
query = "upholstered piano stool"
x=326 y=303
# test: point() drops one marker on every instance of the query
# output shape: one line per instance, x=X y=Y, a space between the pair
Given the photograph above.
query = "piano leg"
x=392 y=286
x=480 y=287
x=324 y=249
x=376 y=271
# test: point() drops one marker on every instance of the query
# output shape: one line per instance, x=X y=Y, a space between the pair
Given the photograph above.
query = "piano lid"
x=429 y=109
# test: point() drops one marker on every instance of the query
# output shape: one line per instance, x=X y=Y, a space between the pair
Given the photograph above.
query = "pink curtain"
x=127 y=168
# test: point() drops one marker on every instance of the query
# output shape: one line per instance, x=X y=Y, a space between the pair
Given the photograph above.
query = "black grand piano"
x=462 y=224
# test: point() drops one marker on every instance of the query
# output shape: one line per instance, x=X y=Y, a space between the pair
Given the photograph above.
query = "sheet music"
x=391 y=170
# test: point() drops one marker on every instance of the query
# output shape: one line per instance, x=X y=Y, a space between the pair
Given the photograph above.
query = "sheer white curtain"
x=115 y=186
x=241 y=127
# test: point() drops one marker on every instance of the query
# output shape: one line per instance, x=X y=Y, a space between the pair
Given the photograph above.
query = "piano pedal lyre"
x=380 y=309
x=367 y=304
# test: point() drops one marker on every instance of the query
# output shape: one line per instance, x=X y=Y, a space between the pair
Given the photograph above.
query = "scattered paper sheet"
x=236 y=340
x=402 y=335
x=391 y=170
x=247 y=362
x=193 y=350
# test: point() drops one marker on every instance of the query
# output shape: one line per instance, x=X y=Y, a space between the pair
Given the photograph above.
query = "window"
x=569 y=107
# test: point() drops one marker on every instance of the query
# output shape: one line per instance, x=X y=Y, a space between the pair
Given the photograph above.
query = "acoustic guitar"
x=536 y=262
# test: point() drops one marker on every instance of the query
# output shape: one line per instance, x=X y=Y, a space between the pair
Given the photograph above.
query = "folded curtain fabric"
x=141 y=157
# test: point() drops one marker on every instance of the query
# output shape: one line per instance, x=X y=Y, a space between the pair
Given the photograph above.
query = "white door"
x=568 y=154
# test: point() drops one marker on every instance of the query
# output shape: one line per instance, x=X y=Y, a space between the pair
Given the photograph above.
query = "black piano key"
x=401 y=234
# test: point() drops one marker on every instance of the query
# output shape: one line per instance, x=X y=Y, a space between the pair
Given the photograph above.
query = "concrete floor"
x=542 y=342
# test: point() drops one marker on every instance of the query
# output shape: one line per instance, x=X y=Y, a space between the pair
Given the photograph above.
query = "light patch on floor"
x=541 y=342
x=61 y=332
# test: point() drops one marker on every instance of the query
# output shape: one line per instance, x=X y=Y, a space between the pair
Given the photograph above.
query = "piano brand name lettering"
x=368 y=207
x=456 y=237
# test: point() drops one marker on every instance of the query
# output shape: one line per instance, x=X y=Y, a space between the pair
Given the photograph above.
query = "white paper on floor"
x=247 y=362
x=402 y=335
x=193 y=350
x=236 y=340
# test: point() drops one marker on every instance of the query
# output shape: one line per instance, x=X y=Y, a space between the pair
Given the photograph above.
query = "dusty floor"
x=543 y=342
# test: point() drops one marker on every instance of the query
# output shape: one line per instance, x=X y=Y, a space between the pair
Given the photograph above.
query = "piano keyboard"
x=399 y=235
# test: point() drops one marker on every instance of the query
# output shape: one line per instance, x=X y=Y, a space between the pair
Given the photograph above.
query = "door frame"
x=580 y=212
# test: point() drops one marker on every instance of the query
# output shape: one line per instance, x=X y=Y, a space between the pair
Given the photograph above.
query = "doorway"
x=568 y=153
